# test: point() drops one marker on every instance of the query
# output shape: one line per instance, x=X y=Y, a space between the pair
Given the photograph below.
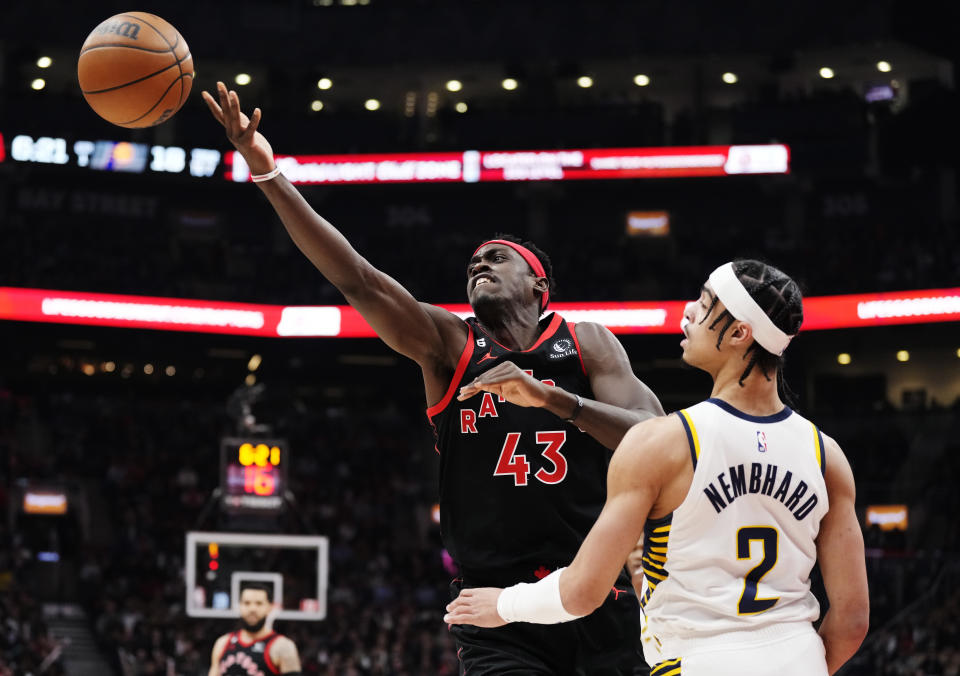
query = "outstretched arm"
x=621 y=400
x=414 y=329
x=842 y=563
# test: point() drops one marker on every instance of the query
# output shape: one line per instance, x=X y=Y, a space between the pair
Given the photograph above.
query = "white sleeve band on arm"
x=538 y=602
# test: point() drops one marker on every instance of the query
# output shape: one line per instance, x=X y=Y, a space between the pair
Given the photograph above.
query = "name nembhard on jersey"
x=760 y=479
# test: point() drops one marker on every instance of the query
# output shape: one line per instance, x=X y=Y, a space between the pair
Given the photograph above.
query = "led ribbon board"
x=342 y=321
x=466 y=166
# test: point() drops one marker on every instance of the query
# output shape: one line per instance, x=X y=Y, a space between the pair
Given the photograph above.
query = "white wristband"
x=538 y=602
x=259 y=178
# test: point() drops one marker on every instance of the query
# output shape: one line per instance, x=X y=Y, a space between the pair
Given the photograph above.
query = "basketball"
x=135 y=70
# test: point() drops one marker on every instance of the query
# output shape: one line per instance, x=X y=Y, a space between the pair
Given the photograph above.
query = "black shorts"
x=604 y=643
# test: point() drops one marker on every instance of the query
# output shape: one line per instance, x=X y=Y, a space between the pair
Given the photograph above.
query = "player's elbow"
x=859 y=624
x=854 y=623
x=582 y=601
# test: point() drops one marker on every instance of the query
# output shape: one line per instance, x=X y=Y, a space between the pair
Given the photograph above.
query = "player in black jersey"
x=526 y=408
x=255 y=649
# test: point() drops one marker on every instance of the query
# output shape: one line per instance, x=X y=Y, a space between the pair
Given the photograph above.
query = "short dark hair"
x=538 y=252
x=779 y=296
x=258 y=586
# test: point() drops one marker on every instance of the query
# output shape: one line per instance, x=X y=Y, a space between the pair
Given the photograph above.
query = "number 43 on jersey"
x=511 y=463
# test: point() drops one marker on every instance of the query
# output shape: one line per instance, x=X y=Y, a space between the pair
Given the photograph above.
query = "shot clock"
x=253 y=474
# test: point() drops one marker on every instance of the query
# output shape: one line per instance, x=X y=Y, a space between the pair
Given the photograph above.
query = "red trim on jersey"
x=573 y=332
x=275 y=668
x=551 y=329
x=256 y=640
x=226 y=644
x=547 y=333
x=457 y=375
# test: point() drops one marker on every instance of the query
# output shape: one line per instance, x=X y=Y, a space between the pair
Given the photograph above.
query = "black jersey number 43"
x=513 y=464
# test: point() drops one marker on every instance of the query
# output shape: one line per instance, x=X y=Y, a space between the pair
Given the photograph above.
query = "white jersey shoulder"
x=736 y=555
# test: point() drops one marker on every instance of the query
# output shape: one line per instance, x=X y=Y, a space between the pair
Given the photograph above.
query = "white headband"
x=743 y=307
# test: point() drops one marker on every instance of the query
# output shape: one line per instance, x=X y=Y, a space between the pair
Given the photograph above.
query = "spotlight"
x=826 y=73
x=371 y=104
x=324 y=83
x=38 y=84
x=843 y=359
x=730 y=78
x=884 y=66
x=509 y=84
x=461 y=107
x=44 y=62
x=316 y=105
x=903 y=355
x=641 y=80
x=242 y=79
x=454 y=85
x=585 y=81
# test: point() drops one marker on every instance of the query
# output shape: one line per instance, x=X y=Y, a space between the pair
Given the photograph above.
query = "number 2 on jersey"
x=512 y=464
x=769 y=539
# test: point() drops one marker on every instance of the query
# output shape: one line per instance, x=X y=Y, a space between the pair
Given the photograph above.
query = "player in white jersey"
x=736 y=499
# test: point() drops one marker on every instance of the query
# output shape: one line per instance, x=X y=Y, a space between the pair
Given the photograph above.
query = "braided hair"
x=541 y=256
x=780 y=298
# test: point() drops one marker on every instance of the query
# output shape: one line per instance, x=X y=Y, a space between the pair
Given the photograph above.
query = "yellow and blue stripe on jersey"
x=656 y=534
x=666 y=668
x=692 y=437
x=818 y=448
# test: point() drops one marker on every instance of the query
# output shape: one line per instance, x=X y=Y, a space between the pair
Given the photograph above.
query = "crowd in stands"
x=226 y=244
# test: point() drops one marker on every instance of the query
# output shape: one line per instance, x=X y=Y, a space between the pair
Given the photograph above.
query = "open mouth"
x=482 y=279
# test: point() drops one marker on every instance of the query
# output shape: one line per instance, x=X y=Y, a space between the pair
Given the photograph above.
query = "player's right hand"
x=241 y=130
x=476 y=606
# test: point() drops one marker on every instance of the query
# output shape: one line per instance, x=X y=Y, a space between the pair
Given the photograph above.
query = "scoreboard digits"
x=253 y=474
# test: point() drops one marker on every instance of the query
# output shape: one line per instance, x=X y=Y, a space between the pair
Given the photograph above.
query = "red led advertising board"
x=342 y=321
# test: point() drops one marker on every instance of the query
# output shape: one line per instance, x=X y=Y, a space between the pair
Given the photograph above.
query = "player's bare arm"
x=645 y=477
x=622 y=400
x=427 y=334
x=842 y=563
x=283 y=653
x=215 y=654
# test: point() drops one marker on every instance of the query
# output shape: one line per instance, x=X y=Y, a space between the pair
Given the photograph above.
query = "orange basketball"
x=135 y=70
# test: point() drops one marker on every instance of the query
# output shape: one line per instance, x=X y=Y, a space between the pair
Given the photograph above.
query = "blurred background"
x=110 y=437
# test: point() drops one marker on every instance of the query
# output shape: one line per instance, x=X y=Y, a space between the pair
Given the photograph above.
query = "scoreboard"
x=253 y=474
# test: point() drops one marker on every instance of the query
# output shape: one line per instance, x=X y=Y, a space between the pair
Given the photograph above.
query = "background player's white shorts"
x=799 y=654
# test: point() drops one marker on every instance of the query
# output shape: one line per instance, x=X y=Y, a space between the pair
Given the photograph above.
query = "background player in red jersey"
x=520 y=484
x=255 y=649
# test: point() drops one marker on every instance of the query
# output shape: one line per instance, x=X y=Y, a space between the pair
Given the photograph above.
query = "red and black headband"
x=531 y=260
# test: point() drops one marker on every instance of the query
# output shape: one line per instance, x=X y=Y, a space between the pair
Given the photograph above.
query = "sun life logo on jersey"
x=562 y=348
x=761 y=442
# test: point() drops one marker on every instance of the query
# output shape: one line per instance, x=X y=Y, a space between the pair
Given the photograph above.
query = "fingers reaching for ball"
x=242 y=131
x=213 y=106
